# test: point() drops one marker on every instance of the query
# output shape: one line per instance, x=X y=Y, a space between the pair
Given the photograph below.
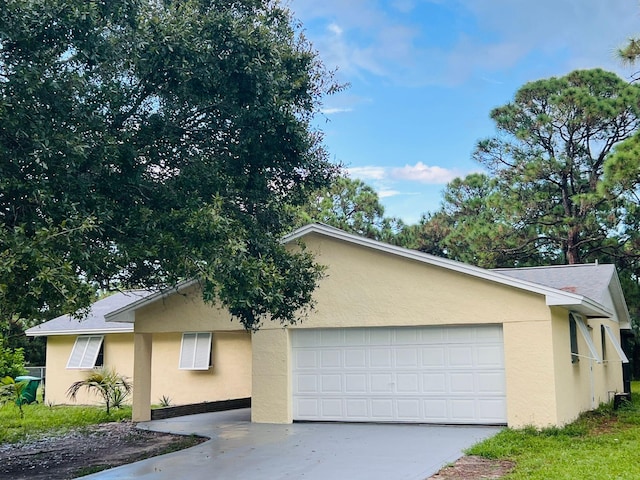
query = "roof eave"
x=579 y=304
x=75 y=331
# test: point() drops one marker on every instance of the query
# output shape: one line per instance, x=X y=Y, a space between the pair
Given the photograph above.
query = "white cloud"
x=334 y=110
x=388 y=192
x=396 y=40
x=423 y=173
x=368 y=173
x=420 y=172
x=335 y=29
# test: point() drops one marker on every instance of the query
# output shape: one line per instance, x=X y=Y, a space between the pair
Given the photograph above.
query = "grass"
x=602 y=444
x=43 y=420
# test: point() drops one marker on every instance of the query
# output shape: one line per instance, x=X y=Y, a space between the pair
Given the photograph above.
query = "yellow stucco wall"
x=165 y=320
x=586 y=384
x=118 y=353
x=228 y=378
x=366 y=287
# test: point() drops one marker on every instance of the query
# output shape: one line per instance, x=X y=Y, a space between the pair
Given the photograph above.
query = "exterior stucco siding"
x=118 y=354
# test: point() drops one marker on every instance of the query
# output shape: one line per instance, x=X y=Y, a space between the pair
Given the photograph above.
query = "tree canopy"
x=351 y=205
x=145 y=142
x=542 y=201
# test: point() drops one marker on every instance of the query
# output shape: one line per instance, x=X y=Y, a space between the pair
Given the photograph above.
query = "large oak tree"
x=143 y=142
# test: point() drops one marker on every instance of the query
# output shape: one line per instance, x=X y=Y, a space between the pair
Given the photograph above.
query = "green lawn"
x=599 y=445
x=40 y=420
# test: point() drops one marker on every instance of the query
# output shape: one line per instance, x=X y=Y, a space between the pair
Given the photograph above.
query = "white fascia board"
x=553 y=296
x=75 y=331
x=617 y=294
x=580 y=304
x=127 y=314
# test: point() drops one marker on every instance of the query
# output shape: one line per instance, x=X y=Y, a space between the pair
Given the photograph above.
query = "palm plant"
x=11 y=391
x=112 y=387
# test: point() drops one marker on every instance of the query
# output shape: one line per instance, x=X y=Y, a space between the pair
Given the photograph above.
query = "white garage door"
x=423 y=374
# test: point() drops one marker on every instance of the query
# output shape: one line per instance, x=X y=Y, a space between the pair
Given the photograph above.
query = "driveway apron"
x=239 y=449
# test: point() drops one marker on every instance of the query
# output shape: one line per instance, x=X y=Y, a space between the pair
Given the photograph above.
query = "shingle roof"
x=95 y=321
x=591 y=280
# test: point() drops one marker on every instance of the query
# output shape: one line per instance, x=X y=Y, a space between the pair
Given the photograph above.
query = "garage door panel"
x=307 y=384
x=331 y=359
x=355 y=383
x=355 y=358
x=489 y=356
x=382 y=382
x=461 y=383
x=408 y=383
x=409 y=409
x=434 y=383
x=306 y=359
x=406 y=357
x=433 y=357
x=331 y=407
x=459 y=356
x=380 y=357
x=425 y=374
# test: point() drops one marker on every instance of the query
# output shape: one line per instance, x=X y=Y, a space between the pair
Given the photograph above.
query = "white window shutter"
x=195 y=351
x=616 y=345
x=582 y=328
x=85 y=351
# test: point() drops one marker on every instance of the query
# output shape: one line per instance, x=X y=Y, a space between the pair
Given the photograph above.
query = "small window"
x=573 y=332
x=87 y=352
x=195 y=352
x=603 y=340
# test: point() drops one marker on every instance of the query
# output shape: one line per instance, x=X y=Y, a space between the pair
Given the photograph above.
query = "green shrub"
x=11 y=361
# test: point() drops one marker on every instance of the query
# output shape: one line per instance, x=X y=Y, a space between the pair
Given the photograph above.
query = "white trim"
x=582 y=327
x=616 y=345
x=77 y=331
x=195 y=351
x=85 y=352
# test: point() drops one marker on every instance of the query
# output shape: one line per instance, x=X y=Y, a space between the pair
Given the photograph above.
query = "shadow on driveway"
x=239 y=449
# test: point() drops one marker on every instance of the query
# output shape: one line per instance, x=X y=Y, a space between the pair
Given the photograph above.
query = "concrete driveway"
x=239 y=449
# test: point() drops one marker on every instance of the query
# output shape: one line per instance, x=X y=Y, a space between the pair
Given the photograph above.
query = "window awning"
x=584 y=330
x=616 y=345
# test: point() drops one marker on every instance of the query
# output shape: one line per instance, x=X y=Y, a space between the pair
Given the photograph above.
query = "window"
x=573 y=332
x=87 y=352
x=195 y=351
x=576 y=324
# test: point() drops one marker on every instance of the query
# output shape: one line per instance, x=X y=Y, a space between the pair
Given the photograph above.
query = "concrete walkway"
x=239 y=449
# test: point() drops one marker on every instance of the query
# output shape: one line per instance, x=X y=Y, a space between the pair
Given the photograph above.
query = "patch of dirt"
x=86 y=450
x=473 y=468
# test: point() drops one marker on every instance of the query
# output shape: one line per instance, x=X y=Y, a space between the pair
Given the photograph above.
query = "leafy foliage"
x=351 y=205
x=111 y=387
x=544 y=200
x=145 y=142
x=11 y=361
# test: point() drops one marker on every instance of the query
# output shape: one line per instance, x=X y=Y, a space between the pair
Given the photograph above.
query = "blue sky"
x=425 y=74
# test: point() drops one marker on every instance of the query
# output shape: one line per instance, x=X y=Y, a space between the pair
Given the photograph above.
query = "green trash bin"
x=29 y=392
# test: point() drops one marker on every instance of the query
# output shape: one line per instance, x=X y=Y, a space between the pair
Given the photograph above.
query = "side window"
x=573 y=333
x=195 y=351
x=87 y=352
x=603 y=339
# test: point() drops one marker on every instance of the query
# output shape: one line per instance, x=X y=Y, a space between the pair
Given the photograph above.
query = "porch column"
x=141 y=377
x=271 y=374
